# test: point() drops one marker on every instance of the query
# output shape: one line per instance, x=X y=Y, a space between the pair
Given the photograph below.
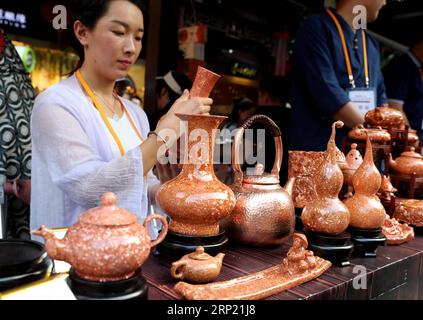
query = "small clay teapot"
x=106 y=244
x=264 y=211
x=359 y=133
x=198 y=267
x=407 y=163
x=385 y=117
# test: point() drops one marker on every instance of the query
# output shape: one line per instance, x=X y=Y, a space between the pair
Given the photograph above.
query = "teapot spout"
x=220 y=257
x=391 y=161
x=56 y=248
x=289 y=186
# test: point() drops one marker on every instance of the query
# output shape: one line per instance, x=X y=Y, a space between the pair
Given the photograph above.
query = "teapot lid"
x=107 y=214
x=412 y=154
x=199 y=254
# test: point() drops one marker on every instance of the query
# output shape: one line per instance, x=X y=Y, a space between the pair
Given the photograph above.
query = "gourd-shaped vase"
x=326 y=213
x=366 y=210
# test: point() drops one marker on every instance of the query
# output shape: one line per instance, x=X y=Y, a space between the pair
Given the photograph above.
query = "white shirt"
x=125 y=132
x=74 y=162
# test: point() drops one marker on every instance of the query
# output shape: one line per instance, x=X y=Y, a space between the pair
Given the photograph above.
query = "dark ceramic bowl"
x=22 y=262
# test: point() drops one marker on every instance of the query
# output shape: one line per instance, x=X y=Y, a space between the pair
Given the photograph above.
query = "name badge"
x=363 y=98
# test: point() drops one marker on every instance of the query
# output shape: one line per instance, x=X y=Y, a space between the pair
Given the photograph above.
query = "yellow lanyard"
x=103 y=115
x=346 y=55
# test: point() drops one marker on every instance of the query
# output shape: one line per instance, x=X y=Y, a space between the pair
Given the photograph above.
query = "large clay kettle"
x=264 y=211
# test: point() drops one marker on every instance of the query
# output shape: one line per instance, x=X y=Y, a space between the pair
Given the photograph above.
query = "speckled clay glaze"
x=196 y=200
x=203 y=83
x=359 y=133
x=408 y=163
x=386 y=190
x=302 y=165
x=366 y=210
x=395 y=232
x=385 y=117
x=198 y=267
x=106 y=244
x=410 y=211
x=326 y=213
x=264 y=211
x=299 y=266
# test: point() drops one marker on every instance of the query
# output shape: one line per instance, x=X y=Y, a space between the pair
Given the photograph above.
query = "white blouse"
x=74 y=158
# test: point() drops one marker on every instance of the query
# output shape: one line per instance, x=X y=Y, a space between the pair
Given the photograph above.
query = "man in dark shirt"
x=321 y=80
x=404 y=82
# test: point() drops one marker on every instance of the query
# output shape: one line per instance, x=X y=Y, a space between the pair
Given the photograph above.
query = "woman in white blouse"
x=86 y=140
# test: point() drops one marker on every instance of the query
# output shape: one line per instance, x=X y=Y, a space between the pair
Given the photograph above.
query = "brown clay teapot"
x=408 y=162
x=366 y=210
x=385 y=117
x=198 y=266
x=359 y=133
x=264 y=211
x=106 y=244
x=326 y=213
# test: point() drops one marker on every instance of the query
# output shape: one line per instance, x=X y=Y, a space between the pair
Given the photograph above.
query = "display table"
x=396 y=273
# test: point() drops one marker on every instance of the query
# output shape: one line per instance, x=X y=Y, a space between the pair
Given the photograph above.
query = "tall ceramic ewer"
x=196 y=200
x=264 y=211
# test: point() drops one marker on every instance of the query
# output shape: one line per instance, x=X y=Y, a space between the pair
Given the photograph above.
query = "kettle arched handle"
x=276 y=132
x=163 y=232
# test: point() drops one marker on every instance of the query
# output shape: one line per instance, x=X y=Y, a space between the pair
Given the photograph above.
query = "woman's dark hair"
x=183 y=80
x=240 y=104
x=89 y=12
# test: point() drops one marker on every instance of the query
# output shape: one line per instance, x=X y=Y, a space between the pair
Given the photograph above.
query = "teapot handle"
x=163 y=233
x=276 y=132
x=176 y=269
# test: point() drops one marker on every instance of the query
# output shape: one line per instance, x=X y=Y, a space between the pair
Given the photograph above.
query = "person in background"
x=404 y=85
x=168 y=88
x=336 y=75
x=87 y=140
x=16 y=101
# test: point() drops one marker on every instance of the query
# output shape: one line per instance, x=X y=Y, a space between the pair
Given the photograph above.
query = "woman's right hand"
x=184 y=104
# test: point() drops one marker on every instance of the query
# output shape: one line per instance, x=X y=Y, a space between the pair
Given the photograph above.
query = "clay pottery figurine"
x=354 y=161
x=264 y=211
x=379 y=135
x=366 y=210
x=299 y=266
x=407 y=163
x=196 y=200
x=326 y=213
x=198 y=267
x=106 y=244
x=386 y=117
x=395 y=232
x=410 y=211
x=386 y=190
